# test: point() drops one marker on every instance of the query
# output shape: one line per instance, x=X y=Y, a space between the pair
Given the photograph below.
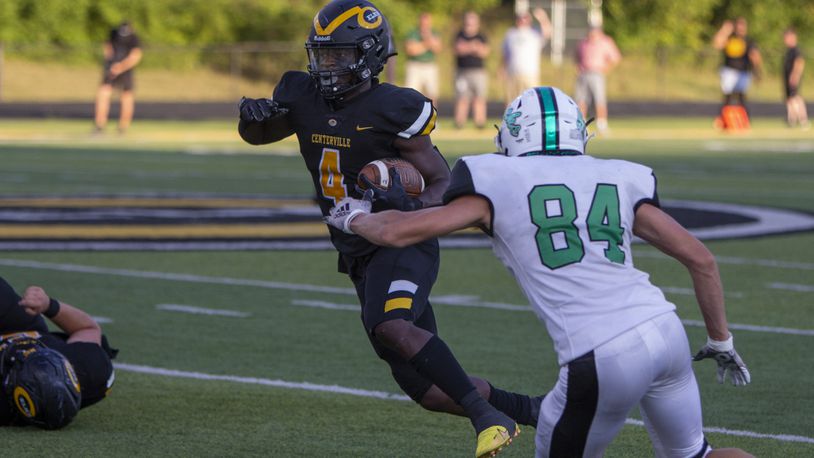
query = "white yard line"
x=327 y=305
x=454 y=300
x=792 y=287
x=734 y=260
x=307 y=386
x=201 y=310
x=756 y=328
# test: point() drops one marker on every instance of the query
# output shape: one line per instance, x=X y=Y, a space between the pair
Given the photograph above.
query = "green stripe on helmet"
x=550 y=118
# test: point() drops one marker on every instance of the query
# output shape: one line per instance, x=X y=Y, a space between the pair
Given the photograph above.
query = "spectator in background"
x=741 y=60
x=793 y=65
x=522 y=48
x=471 y=80
x=596 y=55
x=422 y=47
x=122 y=52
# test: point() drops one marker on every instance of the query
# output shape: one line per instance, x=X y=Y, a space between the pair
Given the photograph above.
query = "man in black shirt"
x=741 y=59
x=122 y=52
x=471 y=80
x=793 y=65
x=344 y=118
x=22 y=328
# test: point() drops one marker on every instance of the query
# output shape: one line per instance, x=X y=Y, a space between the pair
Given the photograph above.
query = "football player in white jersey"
x=562 y=221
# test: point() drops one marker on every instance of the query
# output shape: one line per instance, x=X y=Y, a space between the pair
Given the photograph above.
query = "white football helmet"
x=542 y=120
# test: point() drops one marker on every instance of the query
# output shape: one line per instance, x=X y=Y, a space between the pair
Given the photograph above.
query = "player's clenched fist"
x=259 y=110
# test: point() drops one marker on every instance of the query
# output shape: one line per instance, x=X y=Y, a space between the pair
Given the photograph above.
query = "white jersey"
x=562 y=225
x=522 y=49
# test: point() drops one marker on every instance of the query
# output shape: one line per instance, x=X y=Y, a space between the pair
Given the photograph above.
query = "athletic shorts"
x=590 y=89
x=123 y=81
x=733 y=80
x=395 y=283
x=423 y=77
x=471 y=82
x=648 y=366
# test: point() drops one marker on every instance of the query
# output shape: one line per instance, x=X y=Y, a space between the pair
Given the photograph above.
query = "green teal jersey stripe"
x=550 y=121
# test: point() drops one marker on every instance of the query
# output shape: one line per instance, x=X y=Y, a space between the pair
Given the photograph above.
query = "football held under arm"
x=420 y=151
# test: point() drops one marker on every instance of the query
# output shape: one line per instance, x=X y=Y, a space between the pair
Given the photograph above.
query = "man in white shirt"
x=562 y=222
x=522 y=47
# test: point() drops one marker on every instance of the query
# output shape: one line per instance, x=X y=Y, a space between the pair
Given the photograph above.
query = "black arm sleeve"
x=262 y=133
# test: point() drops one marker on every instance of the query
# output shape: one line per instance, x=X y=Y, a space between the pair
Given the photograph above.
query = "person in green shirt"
x=422 y=47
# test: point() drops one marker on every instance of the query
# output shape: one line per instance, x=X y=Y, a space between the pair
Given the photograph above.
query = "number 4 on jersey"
x=553 y=210
x=331 y=180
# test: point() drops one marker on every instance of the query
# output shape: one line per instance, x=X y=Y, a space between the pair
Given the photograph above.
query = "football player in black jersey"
x=344 y=118
x=40 y=371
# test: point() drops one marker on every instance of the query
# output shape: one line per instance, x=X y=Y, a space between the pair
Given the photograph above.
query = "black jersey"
x=90 y=361
x=736 y=53
x=337 y=140
x=791 y=56
x=123 y=40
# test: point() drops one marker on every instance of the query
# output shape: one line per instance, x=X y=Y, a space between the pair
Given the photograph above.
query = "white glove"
x=728 y=361
x=343 y=213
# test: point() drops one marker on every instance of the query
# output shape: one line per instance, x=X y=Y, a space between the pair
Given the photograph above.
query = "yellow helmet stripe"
x=336 y=22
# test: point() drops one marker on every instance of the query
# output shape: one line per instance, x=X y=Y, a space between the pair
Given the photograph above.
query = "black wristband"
x=53 y=308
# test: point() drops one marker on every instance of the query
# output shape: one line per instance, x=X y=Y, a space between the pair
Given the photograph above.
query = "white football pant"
x=649 y=365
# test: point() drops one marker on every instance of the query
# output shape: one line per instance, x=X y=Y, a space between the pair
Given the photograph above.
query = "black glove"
x=259 y=110
x=395 y=198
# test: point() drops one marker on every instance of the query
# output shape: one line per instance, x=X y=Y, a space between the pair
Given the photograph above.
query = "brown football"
x=378 y=172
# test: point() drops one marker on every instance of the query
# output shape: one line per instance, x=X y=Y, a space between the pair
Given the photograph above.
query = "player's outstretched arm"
x=400 y=229
x=79 y=326
x=262 y=121
x=663 y=232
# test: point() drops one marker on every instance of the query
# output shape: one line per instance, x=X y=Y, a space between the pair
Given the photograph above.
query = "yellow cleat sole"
x=494 y=439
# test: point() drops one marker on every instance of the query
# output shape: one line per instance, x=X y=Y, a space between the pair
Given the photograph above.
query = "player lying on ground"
x=48 y=376
x=562 y=222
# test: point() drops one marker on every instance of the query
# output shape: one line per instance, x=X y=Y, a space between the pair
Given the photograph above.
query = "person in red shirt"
x=596 y=55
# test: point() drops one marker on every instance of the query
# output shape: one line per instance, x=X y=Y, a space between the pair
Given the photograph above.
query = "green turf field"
x=285 y=369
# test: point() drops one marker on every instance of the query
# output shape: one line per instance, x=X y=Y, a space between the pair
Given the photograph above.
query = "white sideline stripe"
x=792 y=287
x=735 y=432
x=738 y=261
x=259 y=381
x=756 y=328
x=306 y=386
x=175 y=276
x=201 y=310
x=456 y=300
x=691 y=292
x=326 y=305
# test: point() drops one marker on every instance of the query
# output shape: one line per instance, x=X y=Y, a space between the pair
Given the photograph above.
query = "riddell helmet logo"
x=322 y=38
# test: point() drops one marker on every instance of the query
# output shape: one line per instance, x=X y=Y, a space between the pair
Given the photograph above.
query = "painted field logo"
x=182 y=223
